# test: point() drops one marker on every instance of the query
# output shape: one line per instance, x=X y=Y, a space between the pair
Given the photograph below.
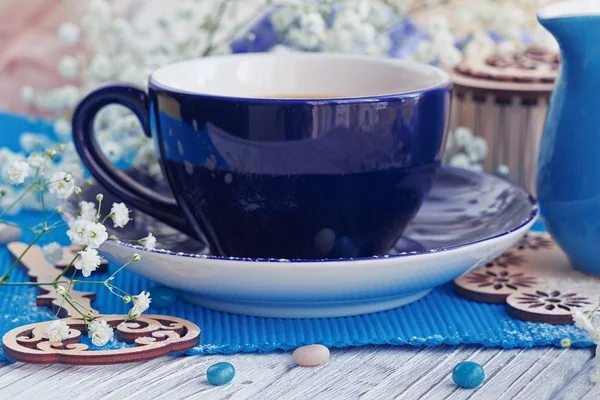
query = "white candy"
x=311 y=356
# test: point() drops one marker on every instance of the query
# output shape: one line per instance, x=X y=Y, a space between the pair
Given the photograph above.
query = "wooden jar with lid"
x=504 y=99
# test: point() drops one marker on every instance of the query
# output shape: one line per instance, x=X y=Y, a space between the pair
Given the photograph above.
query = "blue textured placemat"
x=440 y=318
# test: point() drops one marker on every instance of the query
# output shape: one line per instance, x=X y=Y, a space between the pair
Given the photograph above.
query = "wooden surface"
x=382 y=372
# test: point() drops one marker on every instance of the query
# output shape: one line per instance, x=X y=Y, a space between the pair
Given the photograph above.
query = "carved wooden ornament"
x=550 y=306
x=535 y=281
x=153 y=335
x=39 y=270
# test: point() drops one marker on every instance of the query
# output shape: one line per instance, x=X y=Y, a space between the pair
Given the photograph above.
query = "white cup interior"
x=298 y=75
x=571 y=8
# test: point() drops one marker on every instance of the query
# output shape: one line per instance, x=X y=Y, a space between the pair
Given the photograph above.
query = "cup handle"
x=158 y=206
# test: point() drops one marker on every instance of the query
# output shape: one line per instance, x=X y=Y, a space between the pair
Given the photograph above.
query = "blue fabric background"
x=440 y=318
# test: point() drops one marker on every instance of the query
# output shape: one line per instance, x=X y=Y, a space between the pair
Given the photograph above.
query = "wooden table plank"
x=372 y=372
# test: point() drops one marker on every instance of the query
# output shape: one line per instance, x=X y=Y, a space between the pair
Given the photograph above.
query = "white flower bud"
x=68 y=33
x=68 y=67
x=27 y=95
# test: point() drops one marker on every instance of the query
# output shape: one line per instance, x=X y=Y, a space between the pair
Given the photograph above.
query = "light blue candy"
x=468 y=374
x=220 y=373
x=162 y=297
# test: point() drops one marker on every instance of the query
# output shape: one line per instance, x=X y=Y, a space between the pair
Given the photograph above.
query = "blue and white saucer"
x=467 y=220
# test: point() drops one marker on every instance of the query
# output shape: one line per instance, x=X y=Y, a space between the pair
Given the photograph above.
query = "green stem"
x=32 y=283
x=18 y=260
x=64 y=271
x=108 y=216
x=43 y=208
x=236 y=30
x=19 y=198
x=84 y=315
x=117 y=271
x=16 y=225
x=221 y=8
x=99 y=209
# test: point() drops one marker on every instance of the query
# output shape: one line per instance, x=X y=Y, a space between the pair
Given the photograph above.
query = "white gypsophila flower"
x=476 y=167
x=481 y=43
x=17 y=172
x=122 y=28
x=33 y=141
x=68 y=67
x=462 y=137
x=506 y=47
x=583 y=321
x=61 y=184
x=53 y=253
x=281 y=49
x=112 y=150
x=98 y=9
x=96 y=235
x=145 y=156
x=141 y=303
x=477 y=149
x=60 y=290
x=100 y=332
x=27 y=95
x=101 y=67
x=88 y=211
x=56 y=331
x=119 y=214
x=37 y=160
x=67 y=96
x=62 y=127
x=78 y=231
x=70 y=165
x=68 y=33
x=88 y=261
x=7 y=156
x=503 y=170
x=425 y=52
x=450 y=57
x=149 y=241
x=10 y=197
x=312 y=27
x=460 y=160
x=438 y=23
x=283 y=18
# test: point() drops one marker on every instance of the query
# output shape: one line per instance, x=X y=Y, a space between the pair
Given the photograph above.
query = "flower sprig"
x=38 y=177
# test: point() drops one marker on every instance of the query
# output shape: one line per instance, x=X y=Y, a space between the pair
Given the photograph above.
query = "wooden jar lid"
x=529 y=74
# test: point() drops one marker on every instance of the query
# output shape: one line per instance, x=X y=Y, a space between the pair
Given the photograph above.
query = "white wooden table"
x=373 y=372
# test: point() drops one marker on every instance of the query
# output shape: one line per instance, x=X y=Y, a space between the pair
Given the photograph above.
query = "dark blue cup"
x=283 y=155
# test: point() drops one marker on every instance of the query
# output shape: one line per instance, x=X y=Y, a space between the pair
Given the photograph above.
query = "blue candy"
x=468 y=374
x=162 y=297
x=220 y=373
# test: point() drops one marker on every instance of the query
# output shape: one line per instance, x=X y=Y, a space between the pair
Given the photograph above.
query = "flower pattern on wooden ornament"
x=153 y=336
x=507 y=260
x=492 y=284
x=550 y=306
x=534 y=242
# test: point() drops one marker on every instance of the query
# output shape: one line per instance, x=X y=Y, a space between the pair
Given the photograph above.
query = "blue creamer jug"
x=568 y=180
